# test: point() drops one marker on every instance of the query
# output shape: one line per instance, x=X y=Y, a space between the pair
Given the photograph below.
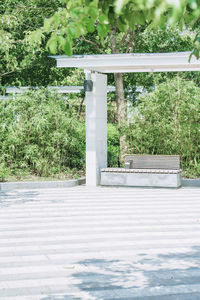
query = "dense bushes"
x=113 y=146
x=40 y=134
x=168 y=122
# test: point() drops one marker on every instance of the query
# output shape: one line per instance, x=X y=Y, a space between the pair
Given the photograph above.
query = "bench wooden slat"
x=147 y=171
x=166 y=162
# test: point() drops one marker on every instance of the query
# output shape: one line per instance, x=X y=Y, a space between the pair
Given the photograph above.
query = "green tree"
x=80 y=17
x=23 y=63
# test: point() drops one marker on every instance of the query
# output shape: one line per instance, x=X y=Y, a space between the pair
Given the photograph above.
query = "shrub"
x=4 y=172
x=168 y=122
x=113 y=145
x=40 y=134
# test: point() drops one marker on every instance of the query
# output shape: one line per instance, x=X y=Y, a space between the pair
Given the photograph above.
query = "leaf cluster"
x=80 y=17
x=18 y=54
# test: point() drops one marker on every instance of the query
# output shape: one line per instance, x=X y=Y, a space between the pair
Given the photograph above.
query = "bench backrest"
x=166 y=162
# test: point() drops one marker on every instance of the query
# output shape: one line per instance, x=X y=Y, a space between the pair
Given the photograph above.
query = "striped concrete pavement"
x=100 y=243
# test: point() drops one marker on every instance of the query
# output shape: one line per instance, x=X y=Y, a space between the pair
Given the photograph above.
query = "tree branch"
x=113 y=41
x=94 y=44
x=123 y=40
x=7 y=73
x=130 y=45
x=16 y=70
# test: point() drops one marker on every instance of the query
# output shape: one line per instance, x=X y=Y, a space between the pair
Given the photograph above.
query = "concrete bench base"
x=140 y=179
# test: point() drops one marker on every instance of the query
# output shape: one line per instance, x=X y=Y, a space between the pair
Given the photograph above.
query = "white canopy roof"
x=133 y=62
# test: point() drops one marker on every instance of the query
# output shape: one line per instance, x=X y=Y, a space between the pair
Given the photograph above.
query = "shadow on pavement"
x=147 y=277
x=8 y=198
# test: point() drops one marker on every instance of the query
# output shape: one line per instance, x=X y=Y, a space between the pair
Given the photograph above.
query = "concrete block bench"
x=145 y=171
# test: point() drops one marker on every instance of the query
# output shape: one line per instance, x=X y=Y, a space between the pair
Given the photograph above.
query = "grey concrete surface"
x=186 y=182
x=41 y=184
x=141 y=179
x=100 y=243
x=4 y=186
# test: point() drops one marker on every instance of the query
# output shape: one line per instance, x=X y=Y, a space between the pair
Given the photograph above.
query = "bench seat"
x=153 y=171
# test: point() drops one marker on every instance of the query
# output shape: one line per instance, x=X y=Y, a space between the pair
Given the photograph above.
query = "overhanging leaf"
x=119 y=4
x=68 y=47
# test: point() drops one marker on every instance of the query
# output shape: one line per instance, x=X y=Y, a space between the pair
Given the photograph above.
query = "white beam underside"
x=162 y=62
x=144 y=69
x=122 y=68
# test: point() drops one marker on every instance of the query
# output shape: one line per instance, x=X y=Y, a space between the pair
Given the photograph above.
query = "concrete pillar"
x=96 y=128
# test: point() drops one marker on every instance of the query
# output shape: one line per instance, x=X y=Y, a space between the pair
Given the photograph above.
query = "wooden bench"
x=146 y=171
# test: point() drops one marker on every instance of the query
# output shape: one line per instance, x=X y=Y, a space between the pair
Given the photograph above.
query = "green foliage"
x=4 y=172
x=25 y=62
x=160 y=12
x=167 y=121
x=167 y=39
x=80 y=17
x=113 y=145
x=40 y=134
x=196 y=50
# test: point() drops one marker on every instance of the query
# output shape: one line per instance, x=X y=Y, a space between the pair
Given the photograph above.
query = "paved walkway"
x=101 y=243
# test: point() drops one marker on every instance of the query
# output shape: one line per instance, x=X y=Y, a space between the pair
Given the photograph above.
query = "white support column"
x=96 y=128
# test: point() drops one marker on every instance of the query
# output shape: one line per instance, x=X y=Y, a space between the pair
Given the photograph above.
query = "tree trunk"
x=80 y=108
x=121 y=113
x=120 y=97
